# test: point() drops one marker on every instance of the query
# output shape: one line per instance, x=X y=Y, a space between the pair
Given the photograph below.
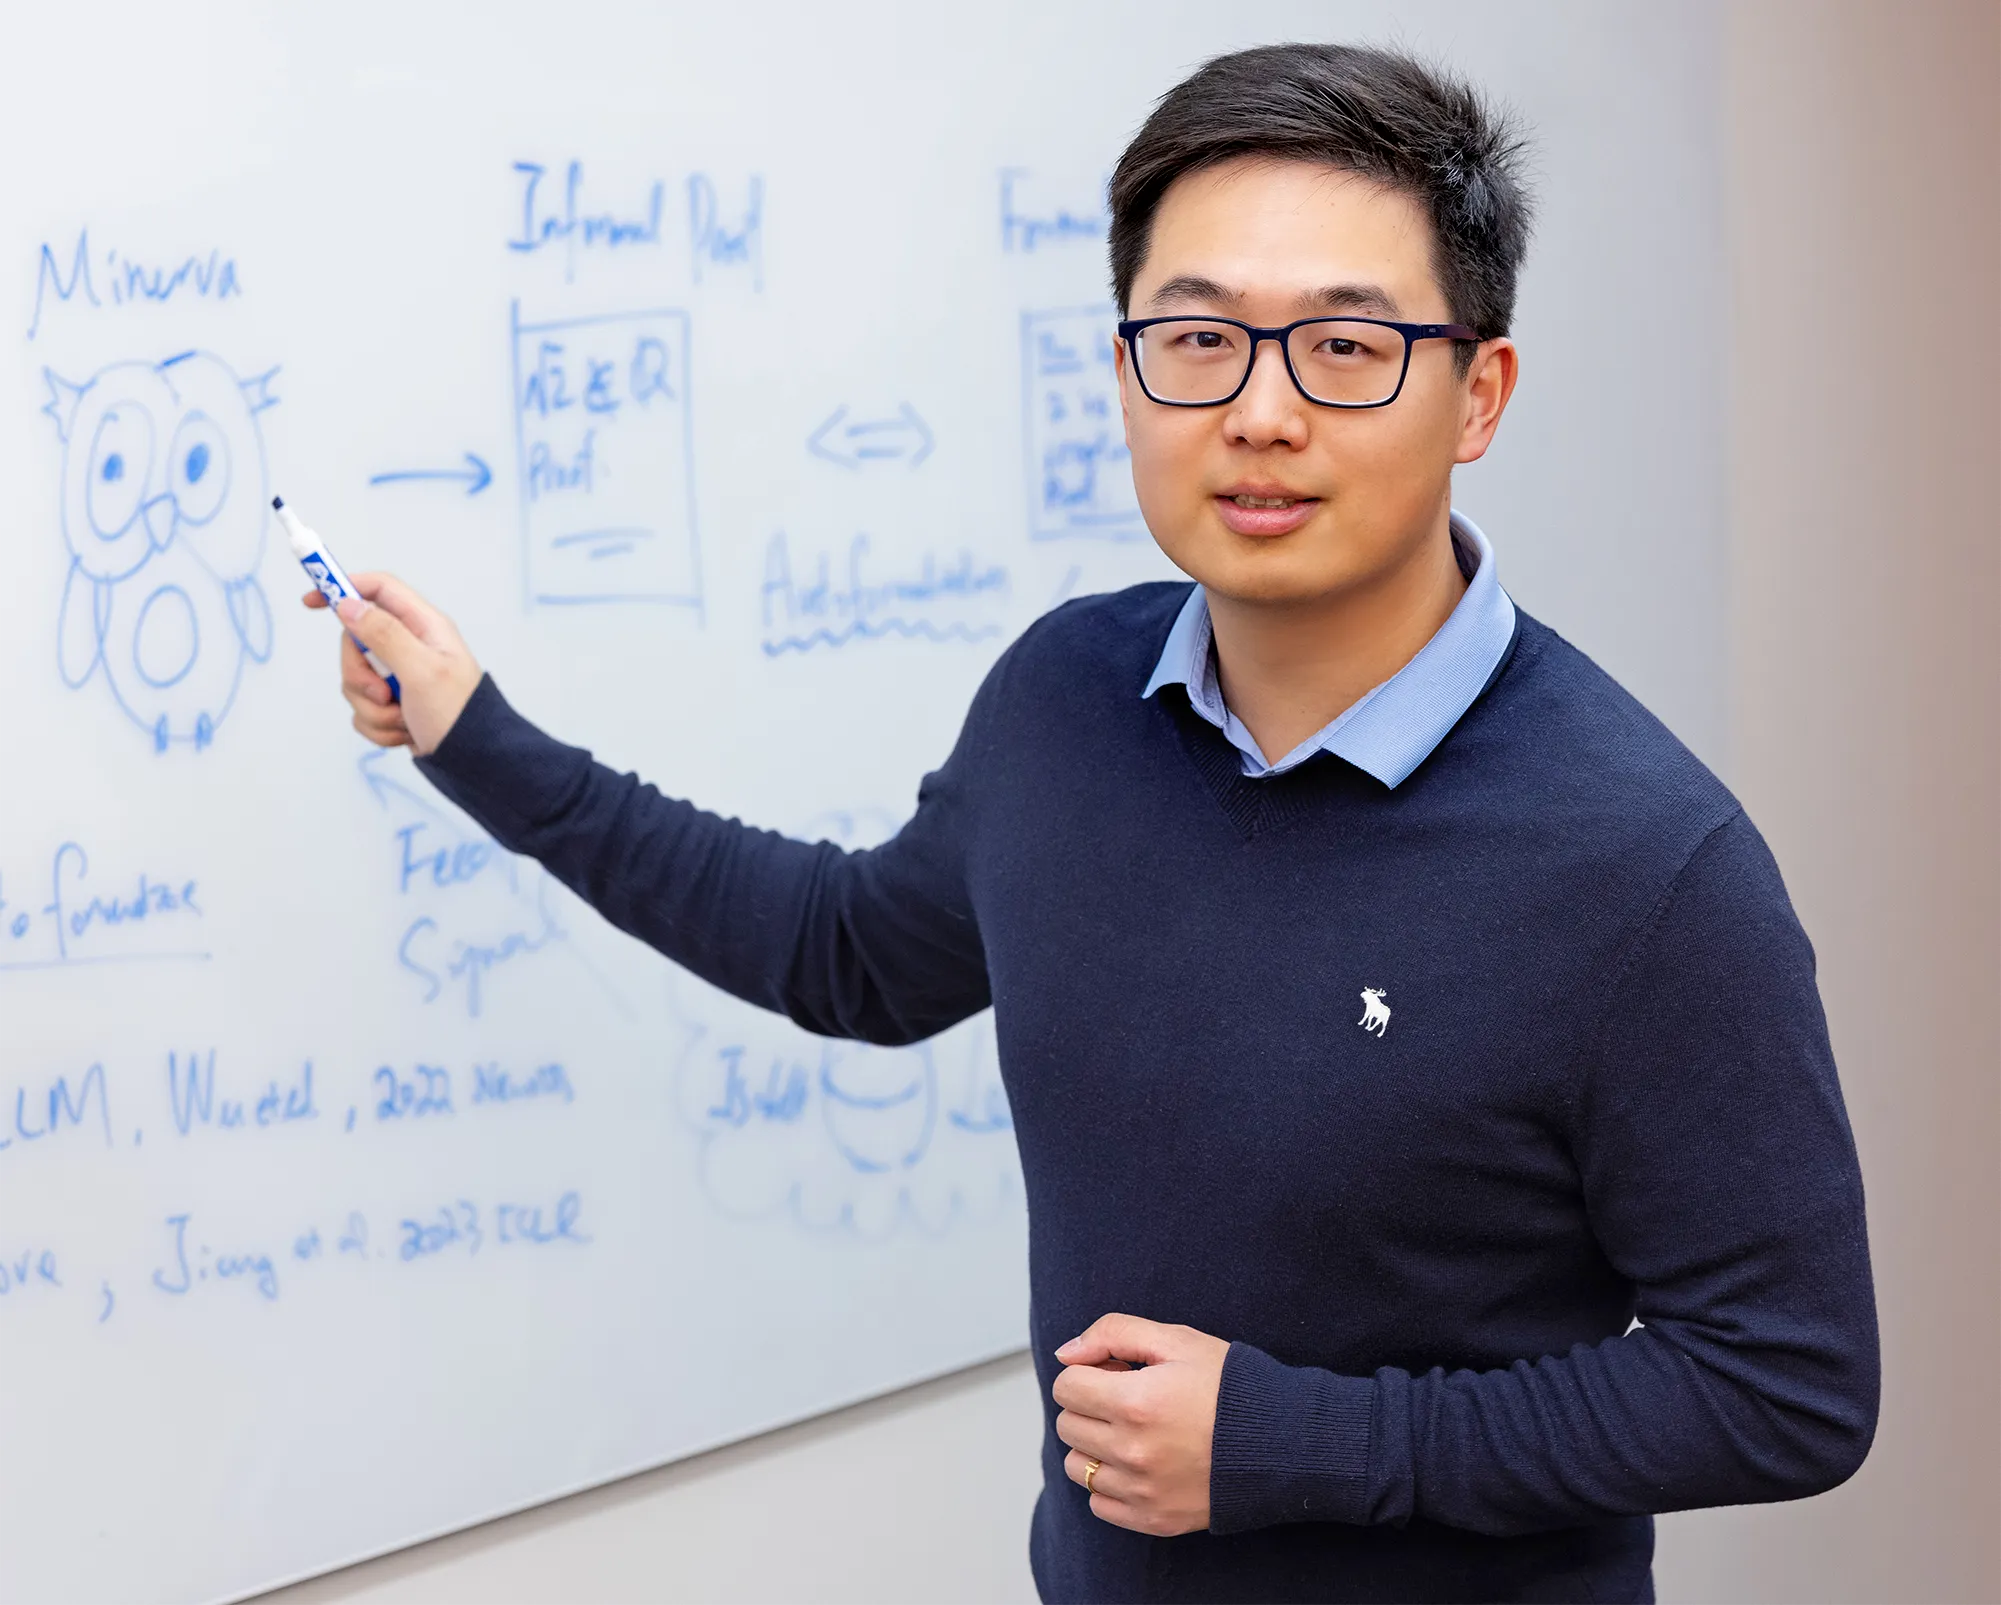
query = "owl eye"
x=121 y=461
x=198 y=467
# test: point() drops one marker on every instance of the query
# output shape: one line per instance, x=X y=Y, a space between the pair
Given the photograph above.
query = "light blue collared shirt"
x=1392 y=728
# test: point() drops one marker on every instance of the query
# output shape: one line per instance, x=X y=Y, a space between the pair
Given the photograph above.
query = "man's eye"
x=1340 y=348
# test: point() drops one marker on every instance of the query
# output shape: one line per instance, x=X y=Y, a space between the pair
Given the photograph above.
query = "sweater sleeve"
x=881 y=945
x=1720 y=1177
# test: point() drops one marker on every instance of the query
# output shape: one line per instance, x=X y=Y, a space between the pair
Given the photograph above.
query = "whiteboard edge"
x=956 y=1368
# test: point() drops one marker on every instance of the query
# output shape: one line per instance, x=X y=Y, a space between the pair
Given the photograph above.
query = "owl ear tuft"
x=257 y=391
x=63 y=399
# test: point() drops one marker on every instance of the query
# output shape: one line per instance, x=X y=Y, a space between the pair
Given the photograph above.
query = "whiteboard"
x=738 y=378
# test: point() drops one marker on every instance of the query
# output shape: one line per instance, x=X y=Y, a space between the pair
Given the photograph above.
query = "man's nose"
x=1269 y=410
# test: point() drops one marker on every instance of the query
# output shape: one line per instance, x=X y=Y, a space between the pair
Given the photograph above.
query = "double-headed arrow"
x=851 y=443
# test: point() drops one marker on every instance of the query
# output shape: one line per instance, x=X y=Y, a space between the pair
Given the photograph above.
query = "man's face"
x=1270 y=242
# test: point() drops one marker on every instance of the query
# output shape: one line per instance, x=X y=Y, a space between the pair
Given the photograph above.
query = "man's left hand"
x=1149 y=1428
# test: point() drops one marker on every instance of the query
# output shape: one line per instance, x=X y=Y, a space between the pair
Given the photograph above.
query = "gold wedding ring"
x=1091 y=1469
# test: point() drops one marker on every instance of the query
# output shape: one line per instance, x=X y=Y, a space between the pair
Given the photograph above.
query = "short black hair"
x=1380 y=114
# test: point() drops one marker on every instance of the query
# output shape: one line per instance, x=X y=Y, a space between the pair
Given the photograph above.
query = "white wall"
x=1864 y=162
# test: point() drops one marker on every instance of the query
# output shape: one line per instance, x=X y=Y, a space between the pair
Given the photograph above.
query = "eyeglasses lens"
x=1338 y=360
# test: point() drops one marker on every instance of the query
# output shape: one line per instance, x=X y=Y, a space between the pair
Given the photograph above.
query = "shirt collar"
x=1395 y=726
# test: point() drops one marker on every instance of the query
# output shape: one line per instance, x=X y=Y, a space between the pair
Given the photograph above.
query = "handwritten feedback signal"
x=467 y=910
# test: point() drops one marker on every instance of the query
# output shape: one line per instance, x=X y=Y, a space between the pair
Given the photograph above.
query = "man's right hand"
x=422 y=648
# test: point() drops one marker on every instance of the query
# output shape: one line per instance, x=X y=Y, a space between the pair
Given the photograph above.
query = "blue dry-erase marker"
x=329 y=576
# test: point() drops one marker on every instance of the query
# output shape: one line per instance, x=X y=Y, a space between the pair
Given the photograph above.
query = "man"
x=1435 y=1163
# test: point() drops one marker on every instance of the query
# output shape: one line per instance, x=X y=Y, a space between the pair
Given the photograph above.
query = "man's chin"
x=1277 y=572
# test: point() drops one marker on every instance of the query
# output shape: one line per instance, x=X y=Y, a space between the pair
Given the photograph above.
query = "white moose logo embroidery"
x=1375 y=1012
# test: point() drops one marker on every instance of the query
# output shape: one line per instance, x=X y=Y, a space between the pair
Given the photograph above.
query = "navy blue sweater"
x=1605 y=1093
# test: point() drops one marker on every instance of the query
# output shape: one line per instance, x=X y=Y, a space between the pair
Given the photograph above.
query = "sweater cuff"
x=501 y=769
x=1291 y=1444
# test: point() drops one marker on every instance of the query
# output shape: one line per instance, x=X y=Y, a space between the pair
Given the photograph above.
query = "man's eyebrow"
x=1370 y=299
x=1193 y=287
x=1367 y=299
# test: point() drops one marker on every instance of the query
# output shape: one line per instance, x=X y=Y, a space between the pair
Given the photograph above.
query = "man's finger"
x=1115 y=1511
x=1087 y=1434
x=416 y=615
x=367 y=698
x=1119 y=1337
x=368 y=710
x=382 y=732
x=1107 y=1482
x=1088 y=1391
x=313 y=599
x=384 y=634
x=357 y=679
x=382 y=728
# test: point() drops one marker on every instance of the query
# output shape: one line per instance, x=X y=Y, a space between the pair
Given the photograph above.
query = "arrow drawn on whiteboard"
x=905 y=438
x=384 y=787
x=476 y=475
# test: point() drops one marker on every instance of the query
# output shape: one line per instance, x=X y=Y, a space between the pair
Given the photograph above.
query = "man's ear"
x=1119 y=361
x=1490 y=381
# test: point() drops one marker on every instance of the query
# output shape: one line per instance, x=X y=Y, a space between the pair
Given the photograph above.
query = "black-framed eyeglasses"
x=1335 y=362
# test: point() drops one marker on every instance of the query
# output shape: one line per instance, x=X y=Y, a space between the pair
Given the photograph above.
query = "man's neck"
x=1288 y=670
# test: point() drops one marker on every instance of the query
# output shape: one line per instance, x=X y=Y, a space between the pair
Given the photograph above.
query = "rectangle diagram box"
x=1079 y=472
x=606 y=455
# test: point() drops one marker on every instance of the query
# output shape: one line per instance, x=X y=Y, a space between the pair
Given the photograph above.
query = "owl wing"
x=86 y=613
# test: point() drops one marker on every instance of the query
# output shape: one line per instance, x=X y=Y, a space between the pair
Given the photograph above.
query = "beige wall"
x=1864 y=147
x=1865 y=187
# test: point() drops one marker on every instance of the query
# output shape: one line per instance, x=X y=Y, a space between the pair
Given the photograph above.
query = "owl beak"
x=160 y=514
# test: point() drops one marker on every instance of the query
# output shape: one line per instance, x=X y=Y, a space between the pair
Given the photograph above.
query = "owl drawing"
x=163 y=506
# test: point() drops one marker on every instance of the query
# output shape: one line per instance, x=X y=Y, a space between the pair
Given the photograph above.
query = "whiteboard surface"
x=737 y=378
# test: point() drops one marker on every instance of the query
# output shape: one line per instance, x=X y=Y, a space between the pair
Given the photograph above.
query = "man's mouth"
x=1264 y=513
